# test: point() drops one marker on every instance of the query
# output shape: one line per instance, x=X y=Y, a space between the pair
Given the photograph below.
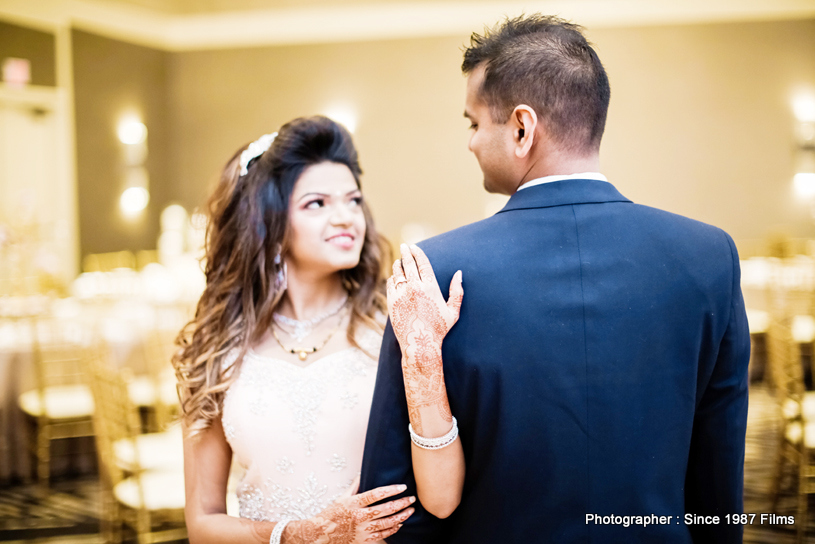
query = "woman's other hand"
x=352 y=520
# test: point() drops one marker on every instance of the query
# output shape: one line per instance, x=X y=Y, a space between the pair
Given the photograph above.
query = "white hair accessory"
x=256 y=149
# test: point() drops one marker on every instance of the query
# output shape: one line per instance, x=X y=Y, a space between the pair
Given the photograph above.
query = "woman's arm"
x=207 y=459
x=349 y=520
x=421 y=319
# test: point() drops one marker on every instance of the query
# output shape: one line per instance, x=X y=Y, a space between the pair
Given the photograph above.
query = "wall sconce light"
x=136 y=187
x=804 y=179
x=132 y=132
x=803 y=106
x=135 y=197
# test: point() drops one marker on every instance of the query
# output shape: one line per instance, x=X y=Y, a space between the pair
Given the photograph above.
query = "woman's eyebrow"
x=312 y=194
x=326 y=195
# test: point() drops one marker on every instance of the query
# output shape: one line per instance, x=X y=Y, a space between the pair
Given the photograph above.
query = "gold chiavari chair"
x=61 y=404
x=156 y=389
x=791 y=297
x=796 y=445
x=791 y=287
x=142 y=475
x=758 y=321
x=755 y=283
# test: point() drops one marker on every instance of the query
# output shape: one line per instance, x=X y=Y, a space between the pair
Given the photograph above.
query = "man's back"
x=598 y=367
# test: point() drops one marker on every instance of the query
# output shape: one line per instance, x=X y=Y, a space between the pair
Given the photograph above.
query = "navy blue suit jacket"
x=599 y=366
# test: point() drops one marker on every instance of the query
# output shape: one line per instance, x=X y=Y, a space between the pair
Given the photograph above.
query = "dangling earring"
x=281 y=282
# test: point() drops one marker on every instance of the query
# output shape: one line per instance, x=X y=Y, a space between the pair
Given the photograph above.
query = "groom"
x=598 y=370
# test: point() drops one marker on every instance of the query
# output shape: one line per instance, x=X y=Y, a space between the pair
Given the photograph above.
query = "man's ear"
x=524 y=122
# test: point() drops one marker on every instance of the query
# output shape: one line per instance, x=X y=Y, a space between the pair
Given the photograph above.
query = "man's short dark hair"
x=546 y=63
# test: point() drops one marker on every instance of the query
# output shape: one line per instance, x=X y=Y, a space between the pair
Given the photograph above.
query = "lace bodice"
x=297 y=433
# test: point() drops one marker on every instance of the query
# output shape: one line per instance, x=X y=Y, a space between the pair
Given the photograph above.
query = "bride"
x=277 y=369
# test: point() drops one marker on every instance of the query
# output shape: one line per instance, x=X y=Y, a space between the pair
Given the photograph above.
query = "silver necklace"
x=300 y=329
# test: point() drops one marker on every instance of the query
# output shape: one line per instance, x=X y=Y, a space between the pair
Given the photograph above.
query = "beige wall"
x=700 y=121
x=113 y=79
x=408 y=97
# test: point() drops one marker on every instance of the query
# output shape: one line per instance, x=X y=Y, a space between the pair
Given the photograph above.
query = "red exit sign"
x=16 y=72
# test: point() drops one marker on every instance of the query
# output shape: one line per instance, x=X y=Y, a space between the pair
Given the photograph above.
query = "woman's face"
x=326 y=221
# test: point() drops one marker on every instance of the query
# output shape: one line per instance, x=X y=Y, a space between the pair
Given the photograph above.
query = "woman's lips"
x=344 y=241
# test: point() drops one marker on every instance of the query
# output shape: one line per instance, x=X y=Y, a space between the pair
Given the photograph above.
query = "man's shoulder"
x=461 y=241
x=673 y=225
x=470 y=237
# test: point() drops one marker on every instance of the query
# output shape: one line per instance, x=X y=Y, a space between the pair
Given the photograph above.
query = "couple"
x=589 y=359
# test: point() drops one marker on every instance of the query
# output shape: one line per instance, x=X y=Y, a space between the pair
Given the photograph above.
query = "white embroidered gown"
x=297 y=433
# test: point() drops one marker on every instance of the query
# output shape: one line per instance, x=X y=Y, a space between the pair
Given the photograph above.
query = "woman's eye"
x=356 y=201
x=314 y=204
x=473 y=126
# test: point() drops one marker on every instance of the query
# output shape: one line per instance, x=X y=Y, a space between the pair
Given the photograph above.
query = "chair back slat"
x=115 y=417
x=60 y=351
x=786 y=369
x=159 y=348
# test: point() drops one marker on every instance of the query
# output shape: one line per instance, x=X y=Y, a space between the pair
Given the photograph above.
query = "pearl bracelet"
x=434 y=443
x=277 y=532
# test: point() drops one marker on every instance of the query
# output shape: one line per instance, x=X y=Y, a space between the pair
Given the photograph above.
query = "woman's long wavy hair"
x=248 y=227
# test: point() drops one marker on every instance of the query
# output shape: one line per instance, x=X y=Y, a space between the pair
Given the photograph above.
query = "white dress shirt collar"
x=549 y=179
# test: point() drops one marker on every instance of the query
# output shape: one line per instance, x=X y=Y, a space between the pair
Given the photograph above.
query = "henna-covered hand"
x=421 y=318
x=352 y=519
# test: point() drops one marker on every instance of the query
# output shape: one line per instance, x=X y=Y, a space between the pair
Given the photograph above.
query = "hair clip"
x=255 y=149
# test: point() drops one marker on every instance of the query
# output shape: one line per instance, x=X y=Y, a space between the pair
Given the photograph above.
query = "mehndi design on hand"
x=421 y=319
x=350 y=521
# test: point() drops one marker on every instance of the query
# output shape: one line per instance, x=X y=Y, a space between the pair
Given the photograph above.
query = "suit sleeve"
x=715 y=478
x=387 y=457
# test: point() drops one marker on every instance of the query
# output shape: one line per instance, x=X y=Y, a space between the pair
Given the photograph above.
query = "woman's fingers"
x=383 y=535
x=375 y=495
x=383 y=524
x=423 y=264
x=386 y=509
x=409 y=263
x=456 y=294
x=398 y=272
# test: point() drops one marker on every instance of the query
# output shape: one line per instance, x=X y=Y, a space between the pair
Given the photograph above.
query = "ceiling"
x=181 y=25
x=214 y=6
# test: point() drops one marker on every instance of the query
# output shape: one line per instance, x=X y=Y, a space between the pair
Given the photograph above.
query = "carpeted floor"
x=70 y=513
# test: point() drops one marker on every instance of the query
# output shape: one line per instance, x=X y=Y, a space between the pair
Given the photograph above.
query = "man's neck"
x=561 y=164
